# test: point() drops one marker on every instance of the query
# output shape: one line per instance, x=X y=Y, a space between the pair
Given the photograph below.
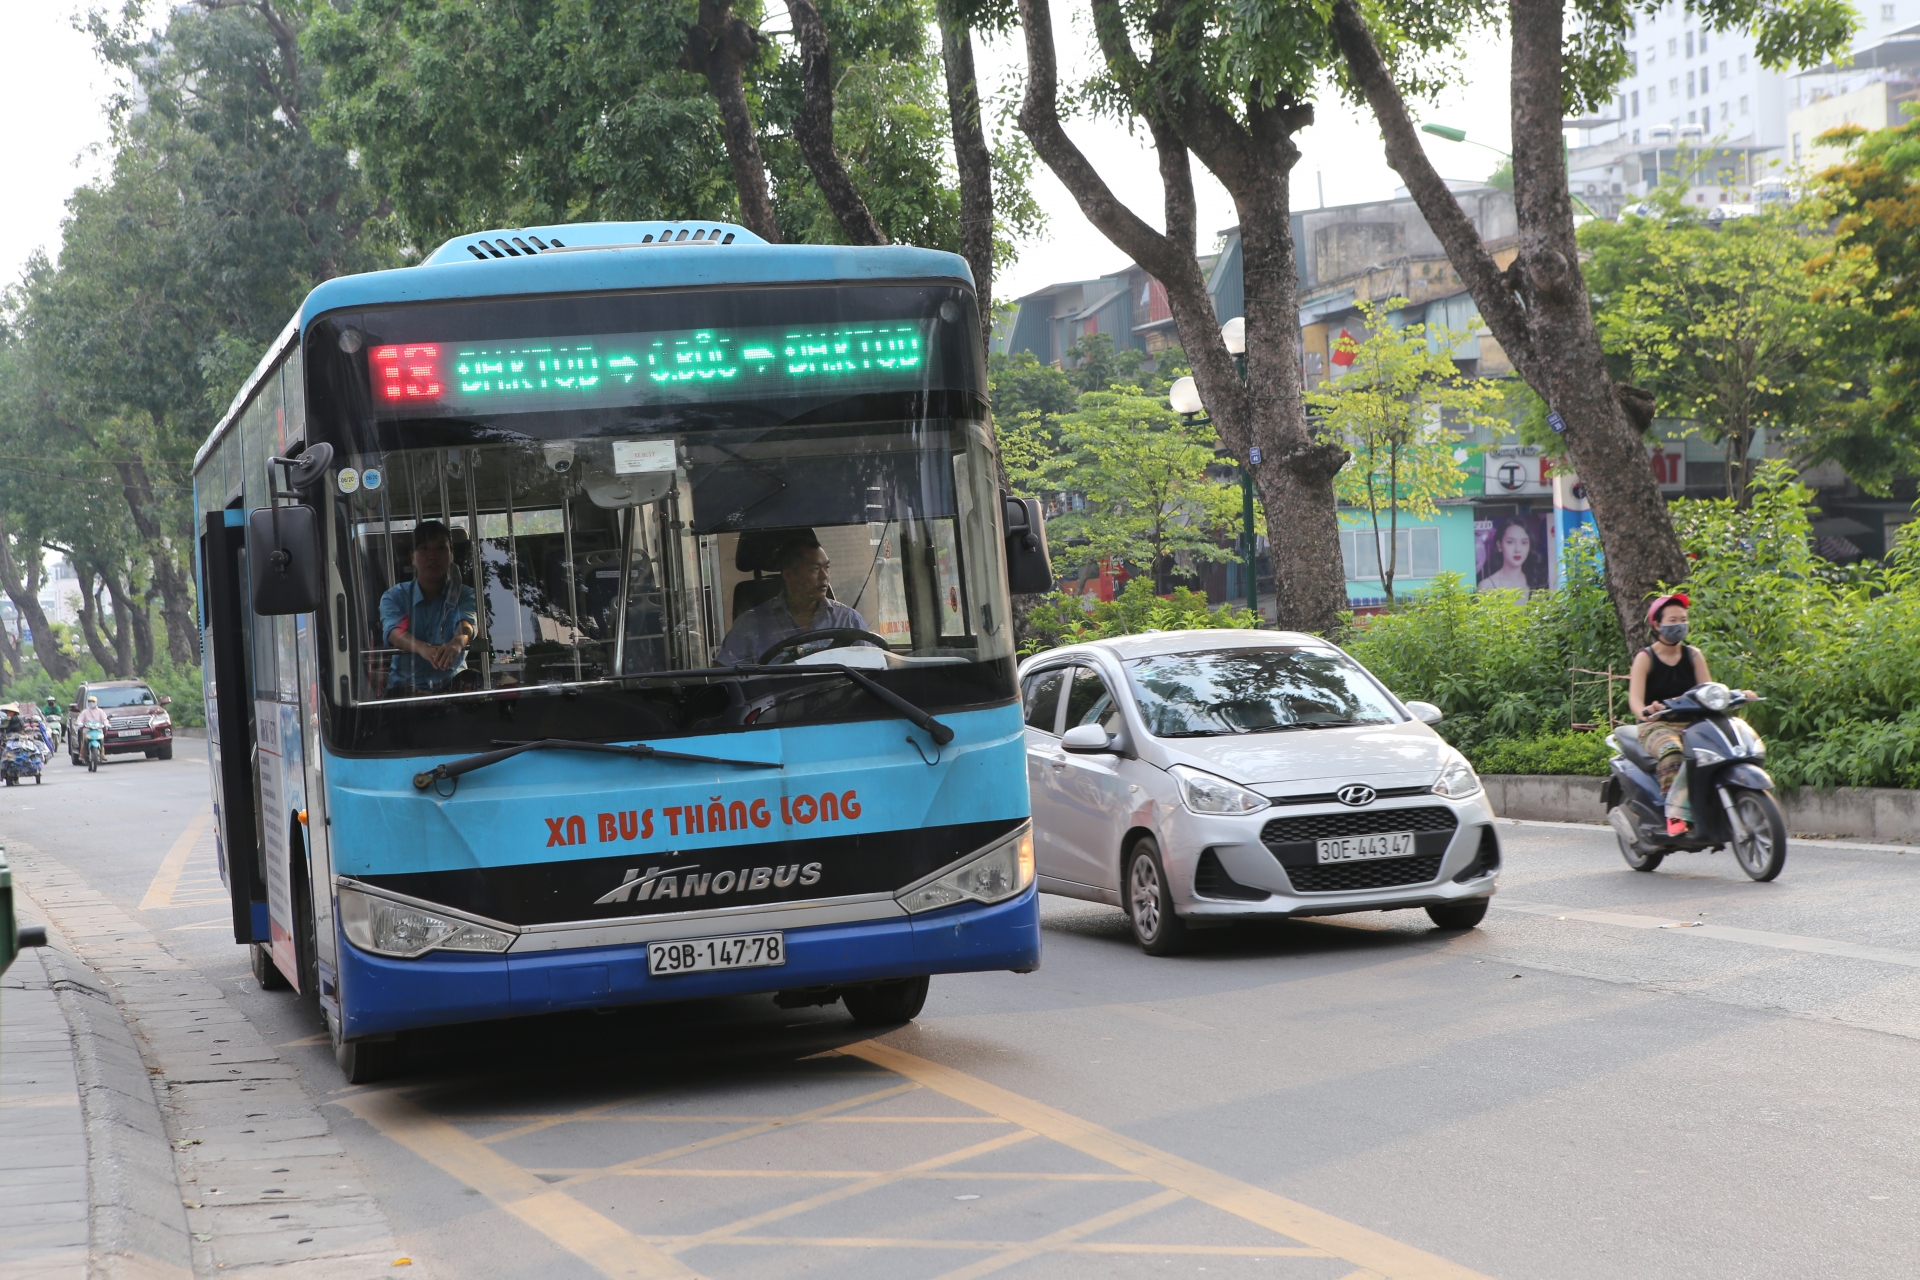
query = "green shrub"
x=1064 y=619
x=1575 y=751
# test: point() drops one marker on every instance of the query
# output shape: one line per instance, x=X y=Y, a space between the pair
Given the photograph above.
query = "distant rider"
x=92 y=715
x=1666 y=669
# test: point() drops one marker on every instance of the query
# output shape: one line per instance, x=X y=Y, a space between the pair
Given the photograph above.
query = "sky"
x=53 y=81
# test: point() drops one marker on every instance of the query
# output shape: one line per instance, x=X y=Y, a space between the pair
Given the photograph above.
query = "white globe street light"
x=1184 y=396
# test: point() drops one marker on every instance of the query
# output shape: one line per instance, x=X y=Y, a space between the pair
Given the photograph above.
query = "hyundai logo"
x=1355 y=795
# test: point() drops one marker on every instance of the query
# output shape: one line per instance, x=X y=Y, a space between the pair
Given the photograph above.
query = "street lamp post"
x=1184 y=399
x=1452 y=134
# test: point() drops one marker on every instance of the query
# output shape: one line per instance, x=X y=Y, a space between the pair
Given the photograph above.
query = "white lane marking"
x=1726 y=933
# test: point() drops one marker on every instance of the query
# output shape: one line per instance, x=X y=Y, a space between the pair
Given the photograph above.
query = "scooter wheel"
x=1635 y=858
x=1764 y=852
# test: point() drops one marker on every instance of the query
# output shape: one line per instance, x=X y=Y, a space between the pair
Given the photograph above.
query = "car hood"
x=1407 y=754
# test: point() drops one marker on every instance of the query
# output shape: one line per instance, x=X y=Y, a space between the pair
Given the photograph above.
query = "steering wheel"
x=843 y=637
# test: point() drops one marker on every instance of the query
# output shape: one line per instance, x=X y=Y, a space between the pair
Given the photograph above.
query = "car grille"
x=1380 y=873
x=1291 y=841
x=1328 y=797
x=127 y=722
x=1360 y=822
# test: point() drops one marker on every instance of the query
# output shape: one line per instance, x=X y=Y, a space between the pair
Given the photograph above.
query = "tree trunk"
x=89 y=609
x=10 y=663
x=175 y=587
x=59 y=664
x=721 y=46
x=139 y=622
x=1537 y=309
x=122 y=634
x=972 y=159
x=1252 y=160
x=813 y=127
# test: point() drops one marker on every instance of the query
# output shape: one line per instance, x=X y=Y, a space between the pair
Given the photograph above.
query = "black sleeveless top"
x=1663 y=681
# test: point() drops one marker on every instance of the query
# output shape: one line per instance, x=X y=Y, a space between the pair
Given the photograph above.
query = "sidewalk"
x=43 y=1141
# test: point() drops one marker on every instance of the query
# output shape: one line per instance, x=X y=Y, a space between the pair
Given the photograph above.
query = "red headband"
x=1661 y=602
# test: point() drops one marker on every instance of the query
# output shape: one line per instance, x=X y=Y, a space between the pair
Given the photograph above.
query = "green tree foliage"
x=1719 y=320
x=1398 y=409
x=1874 y=268
x=1136 y=473
x=1063 y=619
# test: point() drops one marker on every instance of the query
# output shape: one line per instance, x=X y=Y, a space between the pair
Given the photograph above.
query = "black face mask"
x=1673 y=632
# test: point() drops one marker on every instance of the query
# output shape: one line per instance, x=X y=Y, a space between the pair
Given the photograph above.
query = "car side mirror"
x=283 y=560
x=1426 y=712
x=1086 y=739
x=166 y=699
x=1029 y=569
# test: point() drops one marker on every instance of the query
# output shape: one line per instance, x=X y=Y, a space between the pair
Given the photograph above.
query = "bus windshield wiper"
x=913 y=715
x=453 y=769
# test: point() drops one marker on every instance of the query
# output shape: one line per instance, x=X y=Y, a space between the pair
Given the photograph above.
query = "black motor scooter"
x=1731 y=795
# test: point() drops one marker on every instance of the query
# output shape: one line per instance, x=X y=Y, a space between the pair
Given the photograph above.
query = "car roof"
x=114 y=684
x=1154 y=643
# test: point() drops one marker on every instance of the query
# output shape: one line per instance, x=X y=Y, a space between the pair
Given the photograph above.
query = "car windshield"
x=136 y=696
x=1254 y=691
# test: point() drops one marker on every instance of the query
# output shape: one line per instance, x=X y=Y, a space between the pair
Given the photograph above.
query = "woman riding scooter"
x=1666 y=669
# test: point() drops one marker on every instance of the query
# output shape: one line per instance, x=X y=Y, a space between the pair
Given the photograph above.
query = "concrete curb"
x=136 y=1222
x=1880 y=815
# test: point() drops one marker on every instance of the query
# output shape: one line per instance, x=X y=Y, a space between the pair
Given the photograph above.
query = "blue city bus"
x=537 y=758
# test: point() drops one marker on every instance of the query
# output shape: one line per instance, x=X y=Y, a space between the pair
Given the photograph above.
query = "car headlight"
x=1204 y=793
x=994 y=876
x=405 y=931
x=159 y=720
x=1457 y=779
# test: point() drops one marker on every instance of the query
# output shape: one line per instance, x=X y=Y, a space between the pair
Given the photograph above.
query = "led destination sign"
x=624 y=369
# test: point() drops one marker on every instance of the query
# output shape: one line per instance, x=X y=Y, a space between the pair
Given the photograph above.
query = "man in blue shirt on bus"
x=802 y=605
x=430 y=620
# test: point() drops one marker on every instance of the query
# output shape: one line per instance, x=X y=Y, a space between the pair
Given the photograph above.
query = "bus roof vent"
x=530 y=242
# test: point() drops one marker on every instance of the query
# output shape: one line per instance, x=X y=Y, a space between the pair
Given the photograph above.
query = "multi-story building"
x=1870 y=89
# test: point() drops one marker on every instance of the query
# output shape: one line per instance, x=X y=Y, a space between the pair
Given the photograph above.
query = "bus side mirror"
x=1028 y=568
x=283 y=560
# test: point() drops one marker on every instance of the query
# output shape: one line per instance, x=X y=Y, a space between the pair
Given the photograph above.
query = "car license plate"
x=126 y=733
x=697 y=955
x=1385 y=844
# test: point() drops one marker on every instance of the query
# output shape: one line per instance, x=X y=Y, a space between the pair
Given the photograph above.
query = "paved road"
x=1621 y=1075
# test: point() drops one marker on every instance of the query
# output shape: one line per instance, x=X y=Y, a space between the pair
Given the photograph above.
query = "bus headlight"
x=399 y=929
x=994 y=876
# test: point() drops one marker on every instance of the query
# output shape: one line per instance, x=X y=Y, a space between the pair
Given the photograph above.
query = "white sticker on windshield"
x=349 y=479
x=630 y=456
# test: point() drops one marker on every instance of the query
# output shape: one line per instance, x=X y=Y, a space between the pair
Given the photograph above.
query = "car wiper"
x=913 y=715
x=454 y=769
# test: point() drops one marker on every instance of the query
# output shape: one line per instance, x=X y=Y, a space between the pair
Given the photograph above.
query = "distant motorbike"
x=21 y=758
x=94 y=747
x=1731 y=795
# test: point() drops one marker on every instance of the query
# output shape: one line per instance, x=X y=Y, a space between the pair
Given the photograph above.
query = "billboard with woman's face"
x=1511 y=552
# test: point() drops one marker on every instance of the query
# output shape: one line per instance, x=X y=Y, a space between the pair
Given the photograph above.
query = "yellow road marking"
x=842 y=1193
x=595 y=1239
x=969 y=1175
x=534 y=1124
x=722 y=1139
x=167 y=878
x=1080 y=1246
x=1342 y=1239
x=1066 y=1235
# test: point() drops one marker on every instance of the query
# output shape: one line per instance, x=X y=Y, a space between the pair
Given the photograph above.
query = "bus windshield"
x=517 y=534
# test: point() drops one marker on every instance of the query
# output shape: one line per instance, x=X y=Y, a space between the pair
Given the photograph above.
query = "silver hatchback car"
x=1196 y=777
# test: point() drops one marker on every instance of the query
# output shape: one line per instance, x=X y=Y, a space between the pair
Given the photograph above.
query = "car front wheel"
x=1458 y=915
x=1158 y=930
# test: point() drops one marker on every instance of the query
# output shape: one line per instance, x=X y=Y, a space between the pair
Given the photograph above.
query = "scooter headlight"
x=1714 y=696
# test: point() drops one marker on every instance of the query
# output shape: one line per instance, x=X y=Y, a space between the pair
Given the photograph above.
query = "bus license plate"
x=1385 y=844
x=697 y=955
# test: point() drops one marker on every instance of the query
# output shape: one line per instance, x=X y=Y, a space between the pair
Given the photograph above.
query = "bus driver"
x=802 y=605
x=431 y=620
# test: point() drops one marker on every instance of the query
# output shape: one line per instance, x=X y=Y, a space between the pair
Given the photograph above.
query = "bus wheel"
x=886 y=1003
x=365 y=1061
x=265 y=972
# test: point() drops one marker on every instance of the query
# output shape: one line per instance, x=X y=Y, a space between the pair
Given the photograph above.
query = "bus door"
x=229 y=623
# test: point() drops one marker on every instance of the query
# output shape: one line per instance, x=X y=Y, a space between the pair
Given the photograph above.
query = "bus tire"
x=887 y=1003
x=265 y=972
x=365 y=1061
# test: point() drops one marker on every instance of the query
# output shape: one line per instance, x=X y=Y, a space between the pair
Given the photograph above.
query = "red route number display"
x=406 y=373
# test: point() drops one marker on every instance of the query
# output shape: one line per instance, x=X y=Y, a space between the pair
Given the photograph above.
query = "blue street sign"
x=1253 y=456
x=1558 y=423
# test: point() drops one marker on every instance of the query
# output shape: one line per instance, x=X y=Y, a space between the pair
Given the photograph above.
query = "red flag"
x=1343 y=354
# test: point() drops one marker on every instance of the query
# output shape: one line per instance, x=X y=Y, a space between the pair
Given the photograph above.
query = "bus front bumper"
x=380 y=995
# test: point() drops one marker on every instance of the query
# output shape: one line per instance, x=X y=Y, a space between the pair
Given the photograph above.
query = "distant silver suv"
x=1200 y=776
